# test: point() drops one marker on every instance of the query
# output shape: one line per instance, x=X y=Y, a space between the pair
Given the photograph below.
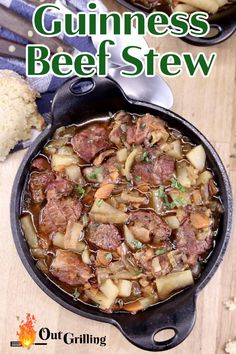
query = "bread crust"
x=18 y=111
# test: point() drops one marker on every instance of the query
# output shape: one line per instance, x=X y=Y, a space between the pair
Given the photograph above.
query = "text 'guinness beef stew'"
x=121 y=212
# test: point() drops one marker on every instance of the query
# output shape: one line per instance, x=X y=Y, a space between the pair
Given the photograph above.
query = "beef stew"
x=122 y=212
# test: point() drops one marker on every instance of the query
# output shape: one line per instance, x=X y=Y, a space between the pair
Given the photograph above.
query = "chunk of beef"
x=90 y=141
x=156 y=172
x=148 y=130
x=157 y=228
x=144 y=258
x=40 y=164
x=164 y=168
x=118 y=133
x=68 y=267
x=58 y=212
x=59 y=188
x=38 y=183
x=187 y=242
x=104 y=236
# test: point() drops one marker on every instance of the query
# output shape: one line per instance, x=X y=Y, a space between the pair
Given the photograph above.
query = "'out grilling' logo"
x=27 y=334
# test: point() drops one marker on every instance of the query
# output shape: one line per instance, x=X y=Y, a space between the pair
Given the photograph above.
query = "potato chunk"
x=197 y=157
x=125 y=287
x=173 y=282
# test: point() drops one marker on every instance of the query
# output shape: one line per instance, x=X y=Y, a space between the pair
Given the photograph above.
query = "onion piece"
x=122 y=155
x=129 y=237
x=174 y=149
x=156 y=265
x=132 y=198
x=128 y=260
x=157 y=202
x=73 y=237
x=29 y=230
x=86 y=256
x=129 y=162
x=105 y=213
x=204 y=178
x=183 y=176
x=99 y=159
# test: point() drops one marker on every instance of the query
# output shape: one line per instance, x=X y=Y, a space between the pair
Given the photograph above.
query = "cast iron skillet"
x=224 y=22
x=177 y=313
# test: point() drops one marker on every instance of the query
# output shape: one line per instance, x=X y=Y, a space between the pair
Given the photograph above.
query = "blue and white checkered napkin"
x=49 y=83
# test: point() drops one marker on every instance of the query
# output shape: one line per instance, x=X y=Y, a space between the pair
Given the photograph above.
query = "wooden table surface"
x=210 y=104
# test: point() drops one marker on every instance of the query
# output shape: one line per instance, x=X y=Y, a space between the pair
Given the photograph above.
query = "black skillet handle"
x=78 y=99
x=177 y=315
x=225 y=30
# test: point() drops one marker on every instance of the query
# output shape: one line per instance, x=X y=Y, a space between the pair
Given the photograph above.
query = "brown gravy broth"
x=121 y=212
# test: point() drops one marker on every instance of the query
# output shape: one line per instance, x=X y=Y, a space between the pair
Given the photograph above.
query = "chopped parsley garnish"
x=95 y=225
x=137 y=244
x=76 y=294
x=145 y=156
x=143 y=126
x=140 y=271
x=176 y=185
x=161 y=192
x=108 y=257
x=160 y=251
x=80 y=190
x=178 y=202
x=95 y=172
x=137 y=178
x=99 y=202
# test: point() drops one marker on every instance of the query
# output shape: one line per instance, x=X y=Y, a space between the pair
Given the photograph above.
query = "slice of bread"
x=18 y=111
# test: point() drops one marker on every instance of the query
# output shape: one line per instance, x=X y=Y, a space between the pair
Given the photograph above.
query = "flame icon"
x=27 y=333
